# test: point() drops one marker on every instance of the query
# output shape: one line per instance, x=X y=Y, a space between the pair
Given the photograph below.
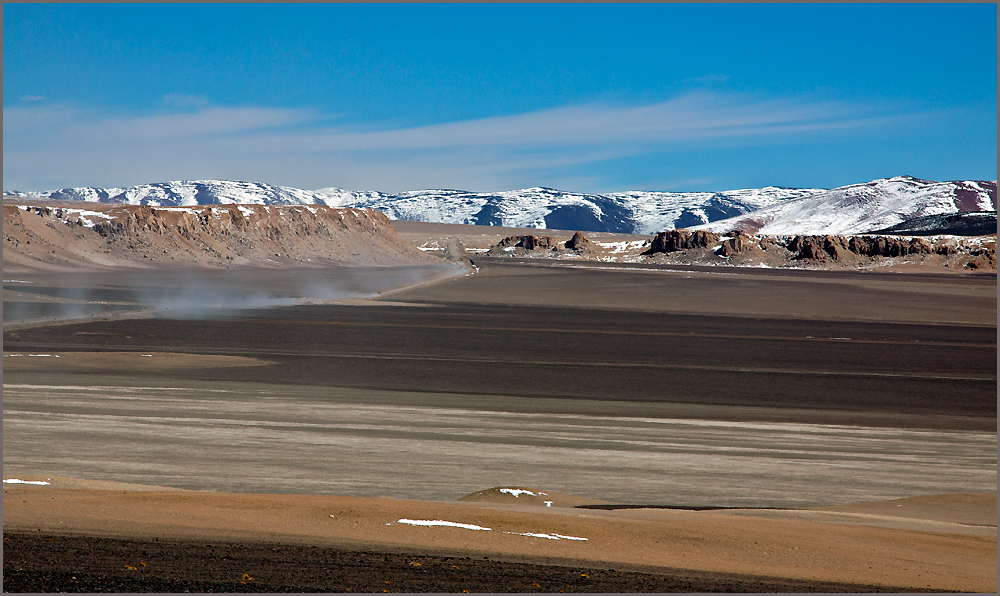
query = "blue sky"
x=492 y=97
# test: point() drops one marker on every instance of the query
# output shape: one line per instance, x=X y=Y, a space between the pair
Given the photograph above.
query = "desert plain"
x=413 y=423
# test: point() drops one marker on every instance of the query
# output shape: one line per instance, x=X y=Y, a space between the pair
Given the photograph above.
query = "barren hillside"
x=48 y=236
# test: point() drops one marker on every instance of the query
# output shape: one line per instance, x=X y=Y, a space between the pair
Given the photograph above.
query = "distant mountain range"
x=867 y=207
x=850 y=209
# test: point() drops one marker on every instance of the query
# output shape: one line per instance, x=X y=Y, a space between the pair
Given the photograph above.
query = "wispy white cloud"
x=48 y=146
x=692 y=117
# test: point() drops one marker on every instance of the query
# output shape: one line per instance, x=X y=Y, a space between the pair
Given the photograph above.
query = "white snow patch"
x=548 y=536
x=44 y=355
x=620 y=247
x=84 y=215
x=441 y=522
x=19 y=481
x=517 y=492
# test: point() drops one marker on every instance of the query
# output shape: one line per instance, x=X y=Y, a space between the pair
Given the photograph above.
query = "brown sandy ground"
x=657 y=541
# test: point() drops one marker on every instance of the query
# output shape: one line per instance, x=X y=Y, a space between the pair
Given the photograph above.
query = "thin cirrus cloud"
x=48 y=146
x=692 y=117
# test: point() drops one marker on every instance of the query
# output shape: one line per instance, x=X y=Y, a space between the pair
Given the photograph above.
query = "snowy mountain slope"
x=860 y=208
x=772 y=210
x=546 y=208
x=187 y=193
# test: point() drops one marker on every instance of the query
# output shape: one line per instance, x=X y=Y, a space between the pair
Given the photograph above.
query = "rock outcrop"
x=579 y=243
x=821 y=248
x=740 y=248
x=739 y=243
x=682 y=239
x=528 y=242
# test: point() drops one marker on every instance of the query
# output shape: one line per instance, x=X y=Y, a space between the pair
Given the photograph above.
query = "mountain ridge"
x=851 y=209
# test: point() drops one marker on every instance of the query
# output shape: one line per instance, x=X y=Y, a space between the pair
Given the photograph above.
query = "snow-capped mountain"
x=185 y=193
x=772 y=210
x=546 y=208
x=860 y=208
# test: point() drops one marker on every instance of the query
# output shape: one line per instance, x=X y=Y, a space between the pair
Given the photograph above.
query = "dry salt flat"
x=257 y=438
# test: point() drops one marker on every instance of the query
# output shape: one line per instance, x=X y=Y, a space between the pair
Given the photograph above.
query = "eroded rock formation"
x=528 y=242
x=821 y=248
x=682 y=239
x=578 y=243
x=739 y=243
x=212 y=235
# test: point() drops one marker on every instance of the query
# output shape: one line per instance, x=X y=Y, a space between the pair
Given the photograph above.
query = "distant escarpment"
x=701 y=247
x=47 y=236
x=740 y=248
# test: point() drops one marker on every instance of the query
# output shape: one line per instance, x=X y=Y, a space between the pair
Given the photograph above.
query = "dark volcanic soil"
x=543 y=351
x=50 y=563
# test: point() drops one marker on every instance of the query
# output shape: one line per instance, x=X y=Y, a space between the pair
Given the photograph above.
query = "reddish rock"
x=819 y=248
x=528 y=242
x=682 y=239
x=578 y=243
x=740 y=242
x=887 y=246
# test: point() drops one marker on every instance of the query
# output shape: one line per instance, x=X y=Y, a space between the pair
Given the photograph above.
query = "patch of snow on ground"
x=439 y=522
x=619 y=247
x=18 y=481
x=519 y=491
x=44 y=355
x=549 y=536
x=430 y=245
x=83 y=215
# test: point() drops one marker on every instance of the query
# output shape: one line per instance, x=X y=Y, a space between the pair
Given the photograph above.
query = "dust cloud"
x=190 y=293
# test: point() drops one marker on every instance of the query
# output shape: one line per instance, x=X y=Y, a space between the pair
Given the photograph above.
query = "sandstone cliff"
x=52 y=236
x=682 y=239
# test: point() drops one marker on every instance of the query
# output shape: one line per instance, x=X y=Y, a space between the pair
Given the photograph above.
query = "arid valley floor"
x=658 y=427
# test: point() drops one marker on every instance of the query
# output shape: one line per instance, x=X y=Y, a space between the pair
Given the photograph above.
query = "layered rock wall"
x=53 y=237
x=675 y=240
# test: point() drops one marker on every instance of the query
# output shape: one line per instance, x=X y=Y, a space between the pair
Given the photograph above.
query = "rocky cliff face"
x=52 y=237
x=528 y=242
x=739 y=248
x=676 y=240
